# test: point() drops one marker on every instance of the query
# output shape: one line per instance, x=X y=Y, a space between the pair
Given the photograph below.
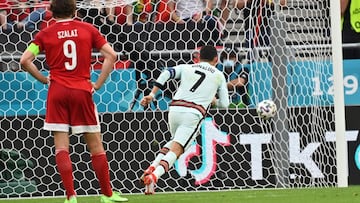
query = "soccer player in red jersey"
x=68 y=45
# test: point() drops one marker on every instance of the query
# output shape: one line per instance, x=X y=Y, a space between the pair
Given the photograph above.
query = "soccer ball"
x=266 y=109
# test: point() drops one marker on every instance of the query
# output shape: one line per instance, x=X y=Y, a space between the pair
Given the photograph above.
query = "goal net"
x=286 y=52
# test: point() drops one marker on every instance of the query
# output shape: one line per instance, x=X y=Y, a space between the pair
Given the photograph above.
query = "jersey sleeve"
x=38 y=40
x=167 y=74
x=223 y=94
x=99 y=40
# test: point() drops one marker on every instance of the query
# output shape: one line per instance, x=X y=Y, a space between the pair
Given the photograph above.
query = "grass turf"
x=309 y=195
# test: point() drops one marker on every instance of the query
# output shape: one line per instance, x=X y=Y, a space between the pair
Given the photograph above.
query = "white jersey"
x=199 y=83
x=187 y=8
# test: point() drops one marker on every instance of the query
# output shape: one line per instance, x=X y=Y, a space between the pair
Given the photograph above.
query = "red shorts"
x=70 y=108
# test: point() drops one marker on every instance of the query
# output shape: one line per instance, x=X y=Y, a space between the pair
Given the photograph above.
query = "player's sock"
x=156 y=162
x=101 y=168
x=64 y=166
x=162 y=153
x=165 y=164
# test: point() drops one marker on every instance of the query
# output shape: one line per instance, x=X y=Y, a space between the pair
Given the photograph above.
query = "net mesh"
x=284 y=49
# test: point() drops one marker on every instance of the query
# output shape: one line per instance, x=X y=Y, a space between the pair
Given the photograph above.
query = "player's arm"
x=239 y=81
x=109 y=59
x=223 y=94
x=167 y=74
x=26 y=62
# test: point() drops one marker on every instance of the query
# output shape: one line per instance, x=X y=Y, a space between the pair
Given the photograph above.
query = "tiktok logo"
x=298 y=154
x=211 y=136
x=357 y=157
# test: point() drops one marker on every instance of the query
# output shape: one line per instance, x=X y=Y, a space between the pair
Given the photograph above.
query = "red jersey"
x=68 y=46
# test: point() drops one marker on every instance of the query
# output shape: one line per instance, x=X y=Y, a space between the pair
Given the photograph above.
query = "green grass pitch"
x=311 y=195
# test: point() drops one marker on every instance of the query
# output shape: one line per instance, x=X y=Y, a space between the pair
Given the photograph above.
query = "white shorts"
x=184 y=127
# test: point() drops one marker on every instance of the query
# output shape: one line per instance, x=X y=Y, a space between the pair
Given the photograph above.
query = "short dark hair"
x=63 y=8
x=208 y=53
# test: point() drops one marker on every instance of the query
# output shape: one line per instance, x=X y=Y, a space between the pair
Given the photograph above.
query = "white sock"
x=162 y=153
x=166 y=163
x=159 y=171
x=157 y=160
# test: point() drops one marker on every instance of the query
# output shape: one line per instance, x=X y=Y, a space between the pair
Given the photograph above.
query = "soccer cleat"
x=150 y=181
x=148 y=171
x=115 y=197
x=71 y=200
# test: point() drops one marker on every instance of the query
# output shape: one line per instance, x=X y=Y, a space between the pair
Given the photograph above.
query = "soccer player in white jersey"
x=199 y=84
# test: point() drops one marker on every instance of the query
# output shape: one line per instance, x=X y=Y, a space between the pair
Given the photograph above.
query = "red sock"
x=64 y=166
x=101 y=168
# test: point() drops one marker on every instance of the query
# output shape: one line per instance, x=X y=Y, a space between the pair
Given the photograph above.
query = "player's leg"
x=84 y=119
x=169 y=159
x=99 y=161
x=187 y=125
x=163 y=151
x=63 y=163
x=184 y=128
x=166 y=163
x=57 y=121
x=101 y=167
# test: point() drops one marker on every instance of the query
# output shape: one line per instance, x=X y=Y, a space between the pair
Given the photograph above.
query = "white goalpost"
x=341 y=144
